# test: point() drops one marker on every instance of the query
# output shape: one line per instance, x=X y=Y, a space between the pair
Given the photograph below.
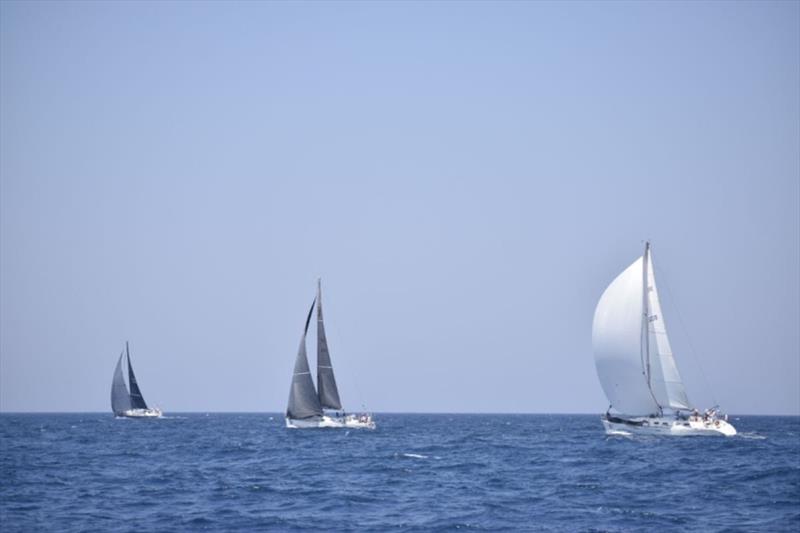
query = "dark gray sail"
x=303 y=401
x=137 y=400
x=326 y=382
x=120 y=398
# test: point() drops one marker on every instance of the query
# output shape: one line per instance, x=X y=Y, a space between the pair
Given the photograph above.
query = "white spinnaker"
x=617 y=342
x=665 y=379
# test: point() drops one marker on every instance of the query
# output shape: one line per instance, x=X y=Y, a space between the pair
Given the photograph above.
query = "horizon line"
x=281 y=413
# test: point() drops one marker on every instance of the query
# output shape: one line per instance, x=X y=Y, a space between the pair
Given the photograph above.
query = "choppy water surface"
x=78 y=472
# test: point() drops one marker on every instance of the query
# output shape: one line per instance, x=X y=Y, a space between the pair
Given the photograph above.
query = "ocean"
x=416 y=472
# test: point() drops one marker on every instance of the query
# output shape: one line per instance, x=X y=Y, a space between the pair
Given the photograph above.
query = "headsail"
x=303 y=400
x=137 y=400
x=326 y=382
x=618 y=348
x=665 y=379
x=120 y=398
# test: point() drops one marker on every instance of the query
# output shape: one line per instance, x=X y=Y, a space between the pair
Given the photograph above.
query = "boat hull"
x=359 y=422
x=349 y=421
x=142 y=413
x=665 y=425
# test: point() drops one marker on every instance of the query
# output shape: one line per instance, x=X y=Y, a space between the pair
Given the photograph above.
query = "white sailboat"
x=307 y=405
x=635 y=363
x=125 y=402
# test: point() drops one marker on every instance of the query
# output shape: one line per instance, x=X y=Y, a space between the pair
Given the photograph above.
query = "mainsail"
x=326 y=382
x=120 y=398
x=303 y=400
x=137 y=400
x=665 y=379
x=632 y=353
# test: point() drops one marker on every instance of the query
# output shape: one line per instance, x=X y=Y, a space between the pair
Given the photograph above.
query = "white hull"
x=359 y=422
x=666 y=425
x=349 y=421
x=155 y=412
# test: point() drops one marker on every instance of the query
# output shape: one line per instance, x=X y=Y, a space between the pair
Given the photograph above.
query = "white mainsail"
x=665 y=379
x=632 y=352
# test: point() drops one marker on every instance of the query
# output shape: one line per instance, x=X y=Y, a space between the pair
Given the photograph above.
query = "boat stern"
x=725 y=428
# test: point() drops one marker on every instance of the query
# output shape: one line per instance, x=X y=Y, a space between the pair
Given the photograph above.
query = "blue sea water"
x=192 y=472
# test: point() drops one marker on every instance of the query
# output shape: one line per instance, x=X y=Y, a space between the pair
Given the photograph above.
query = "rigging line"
x=688 y=337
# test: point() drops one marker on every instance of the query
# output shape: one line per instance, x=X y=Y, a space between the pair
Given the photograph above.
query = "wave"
x=239 y=472
x=752 y=435
x=414 y=455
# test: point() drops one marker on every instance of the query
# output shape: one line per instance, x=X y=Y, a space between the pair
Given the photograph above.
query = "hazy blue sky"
x=467 y=178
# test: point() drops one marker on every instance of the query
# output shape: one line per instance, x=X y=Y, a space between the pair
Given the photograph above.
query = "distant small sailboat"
x=635 y=363
x=129 y=403
x=306 y=407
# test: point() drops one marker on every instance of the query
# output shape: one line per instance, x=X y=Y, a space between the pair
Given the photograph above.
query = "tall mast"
x=645 y=315
x=321 y=339
x=319 y=299
x=128 y=359
x=646 y=320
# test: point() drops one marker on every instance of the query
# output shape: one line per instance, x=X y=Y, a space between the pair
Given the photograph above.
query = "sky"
x=466 y=179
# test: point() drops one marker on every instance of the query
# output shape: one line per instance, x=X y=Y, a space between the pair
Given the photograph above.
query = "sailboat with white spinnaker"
x=635 y=364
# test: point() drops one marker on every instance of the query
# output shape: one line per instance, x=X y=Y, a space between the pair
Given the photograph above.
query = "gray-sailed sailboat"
x=307 y=404
x=125 y=402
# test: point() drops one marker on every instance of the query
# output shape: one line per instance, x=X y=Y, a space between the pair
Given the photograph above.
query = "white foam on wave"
x=751 y=436
x=415 y=456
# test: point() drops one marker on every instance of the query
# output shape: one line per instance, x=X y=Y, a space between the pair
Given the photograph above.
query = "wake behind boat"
x=306 y=408
x=635 y=363
x=125 y=402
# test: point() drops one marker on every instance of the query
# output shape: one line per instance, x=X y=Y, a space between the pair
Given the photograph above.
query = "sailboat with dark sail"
x=635 y=363
x=127 y=402
x=307 y=404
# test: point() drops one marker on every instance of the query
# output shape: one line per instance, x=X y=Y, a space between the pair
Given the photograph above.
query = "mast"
x=645 y=336
x=646 y=321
